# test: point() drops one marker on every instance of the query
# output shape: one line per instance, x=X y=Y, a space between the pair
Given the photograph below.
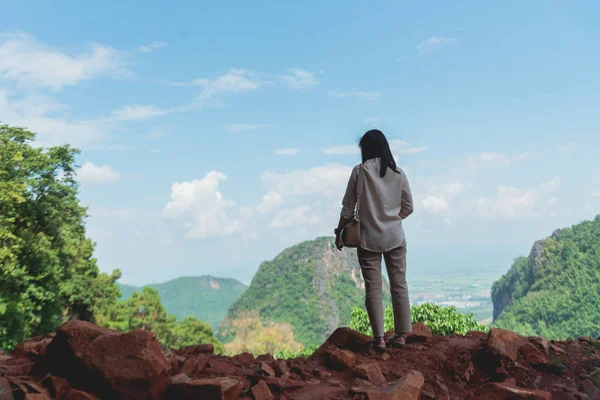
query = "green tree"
x=191 y=331
x=47 y=272
x=441 y=320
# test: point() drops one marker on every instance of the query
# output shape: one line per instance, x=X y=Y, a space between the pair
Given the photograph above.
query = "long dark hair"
x=373 y=144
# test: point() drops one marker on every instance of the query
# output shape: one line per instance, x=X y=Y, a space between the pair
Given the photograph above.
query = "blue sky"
x=214 y=135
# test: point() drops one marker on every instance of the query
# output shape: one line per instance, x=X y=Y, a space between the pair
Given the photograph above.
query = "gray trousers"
x=395 y=262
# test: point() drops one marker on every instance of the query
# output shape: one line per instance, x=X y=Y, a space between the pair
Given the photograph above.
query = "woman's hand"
x=338 y=242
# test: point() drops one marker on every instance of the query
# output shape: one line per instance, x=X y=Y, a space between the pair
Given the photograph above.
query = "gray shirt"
x=384 y=204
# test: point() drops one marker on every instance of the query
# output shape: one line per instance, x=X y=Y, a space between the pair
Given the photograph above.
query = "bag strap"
x=359 y=187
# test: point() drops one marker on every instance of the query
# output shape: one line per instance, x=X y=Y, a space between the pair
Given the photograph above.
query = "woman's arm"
x=406 y=203
x=348 y=205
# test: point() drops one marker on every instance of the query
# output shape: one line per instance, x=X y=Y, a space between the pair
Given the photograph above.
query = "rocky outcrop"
x=83 y=361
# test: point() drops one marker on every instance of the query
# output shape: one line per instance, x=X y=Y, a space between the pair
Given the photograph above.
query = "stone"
x=370 y=372
x=586 y=339
x=344 y=338
x=280 y=367
x=557 y=349
x=127 y=366
x=588 y=387
x=407 y=388
x=319 y=391
x=206 y=389
x=266 y=369
x=265 y=358
x=195 y=351
x=339 y=360
x=476 y=335
x=321 y=374
x=420 y=333
x=261 y=391
x=74 y=394
x=246 y=359
x=5 y=389
x=58 y=387
x=533 y=356
x=180 y=378
x=220 y=366
x=505 y=343
x=541 y=343
x=17 y=367
x=33 y=347
x=65 y=351
x=195 y=365
x=502 y=391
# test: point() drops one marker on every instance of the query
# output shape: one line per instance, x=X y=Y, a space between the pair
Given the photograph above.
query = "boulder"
x=5 y=389
x=220 y=366
x=339 y=360
x=261 y=391
x=194 y=351
x=407 y=388
x=33 y=347
x=281 y=368
x=370 y=372
x=195 y=365
x=266 y=369
x=319 y=391
x=503 y=391
x=476 y=335
x=207 y=389
x=344 y=338
x=420 y=333
x=533 y=356
x=16 y=366
x=505 y=343
x=127 y=366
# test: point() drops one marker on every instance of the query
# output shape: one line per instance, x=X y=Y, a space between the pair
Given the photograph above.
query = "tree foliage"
x=441 y=320
x=47 y=270
x=557 y=294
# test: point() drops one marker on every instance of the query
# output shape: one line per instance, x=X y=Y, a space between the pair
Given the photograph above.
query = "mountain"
x=205 y=297
x=312 y=286
x=555 y=291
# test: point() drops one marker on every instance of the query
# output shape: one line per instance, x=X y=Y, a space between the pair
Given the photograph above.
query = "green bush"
x=305 y=352
x=441 y=320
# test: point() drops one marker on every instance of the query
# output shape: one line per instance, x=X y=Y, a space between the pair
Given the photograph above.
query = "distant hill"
x=555 y=292
x=205 y=297
x=311 y=286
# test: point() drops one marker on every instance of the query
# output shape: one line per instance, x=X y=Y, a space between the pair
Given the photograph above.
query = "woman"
x=386 y=200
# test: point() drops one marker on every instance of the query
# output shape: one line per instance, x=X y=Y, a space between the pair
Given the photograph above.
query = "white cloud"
x=434 y=44
x=373 y=120
x=552 y=185
x=299 y=78
x=330 y=179
x=193 y=82
x=493 y=159
x=510 y=203
x=202 y=208
x=151 y=47
x=552 y=200
x=286 y=152
x=589 y=208
x=402 y=147
x=294 y=216
x=235 y=81
x=435 y=204
x=138 y=112
x=40 y=114
x=90 y=173
x=236 y=128
x=269 y=201
x=568 y=148
x=368 y=96
x=30 y=63
x=596 y=193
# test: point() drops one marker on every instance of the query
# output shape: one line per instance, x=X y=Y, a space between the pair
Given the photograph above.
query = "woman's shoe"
x=398 y=341
x=378 y=344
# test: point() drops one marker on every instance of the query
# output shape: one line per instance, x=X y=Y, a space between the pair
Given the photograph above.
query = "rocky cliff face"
x=83 y=361
x=311 y=286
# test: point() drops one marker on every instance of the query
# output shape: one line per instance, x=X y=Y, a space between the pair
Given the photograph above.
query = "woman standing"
x=386 y=200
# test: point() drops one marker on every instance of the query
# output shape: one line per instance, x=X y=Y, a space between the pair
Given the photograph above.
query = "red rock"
x=33 y=347
x=502 y=391
x=371 y=372
x=57 y=387
x=17 y=367
x=585 y=339
x=127 y=366
x=505 y=343
x=261 y=391
x=541 y=343
x=265 y=358
x=195 y=365
x=220 y=367
x=533 y=356
x=344 y=338
x=319 y=391
x=75 y=394
x=557 y=349
x=559 y=395
x=339 y=360
x=5 y=389
x=476 y=334
x=266 y=369
x=27 y=388
x=180 y=378
x=246 y=359
x=205 y=389
x=281 y=368
x=407 y=388
x=588 y=387
x=321 y=374
x=195 y=351
x=420 y=333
